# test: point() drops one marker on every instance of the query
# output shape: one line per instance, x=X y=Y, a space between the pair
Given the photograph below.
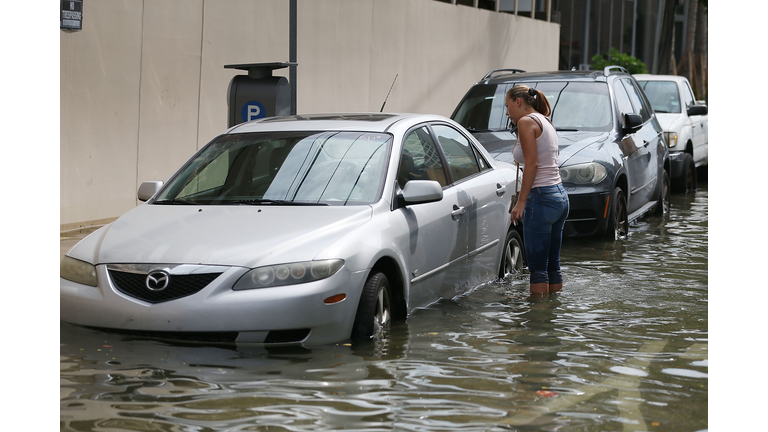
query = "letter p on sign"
x=252 y=110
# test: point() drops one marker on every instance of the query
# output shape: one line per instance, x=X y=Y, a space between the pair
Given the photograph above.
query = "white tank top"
x=548 y=173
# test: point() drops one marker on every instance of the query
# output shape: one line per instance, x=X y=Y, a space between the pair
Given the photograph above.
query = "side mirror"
x=632 y=122
x=421 y=191
x=148 y=189
x=697 y=110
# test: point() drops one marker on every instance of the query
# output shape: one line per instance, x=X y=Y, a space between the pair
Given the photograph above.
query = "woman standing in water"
x=542 y=203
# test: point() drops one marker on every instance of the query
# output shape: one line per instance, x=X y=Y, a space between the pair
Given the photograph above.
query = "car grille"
x=134 y=285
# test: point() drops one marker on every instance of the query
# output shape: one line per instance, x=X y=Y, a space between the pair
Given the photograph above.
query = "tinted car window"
x=662 y=95
x=335 y=168
x=458 y=152
x=636 y=99
x=579 y=105
x=420 y=159
x=483 y=108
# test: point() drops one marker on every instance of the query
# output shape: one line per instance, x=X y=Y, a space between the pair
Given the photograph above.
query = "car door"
x=698 y=125
x=481 y=196
x=437 y=236
x=635 y=148
x=650 y=138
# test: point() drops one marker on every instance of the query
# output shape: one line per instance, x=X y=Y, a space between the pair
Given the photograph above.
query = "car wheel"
x=665 y=199
x=374 y=312
x=618 y=223
x=686 y=183
x=513 y=257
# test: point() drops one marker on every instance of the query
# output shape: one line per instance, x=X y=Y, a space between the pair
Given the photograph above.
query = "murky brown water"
x=623 y=348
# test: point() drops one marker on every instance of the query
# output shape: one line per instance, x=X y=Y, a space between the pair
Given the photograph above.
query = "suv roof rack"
x=608 y=69
x=490 y=74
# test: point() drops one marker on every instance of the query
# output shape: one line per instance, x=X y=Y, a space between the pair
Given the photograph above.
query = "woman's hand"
x=517 y=212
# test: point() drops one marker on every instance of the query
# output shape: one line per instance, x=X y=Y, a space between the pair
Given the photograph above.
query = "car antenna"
x=390 y=91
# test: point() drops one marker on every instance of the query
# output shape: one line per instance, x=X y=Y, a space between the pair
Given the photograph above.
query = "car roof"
x=361 y=122
x=503 y=77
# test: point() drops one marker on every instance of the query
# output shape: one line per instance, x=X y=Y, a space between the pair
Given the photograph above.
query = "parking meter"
x=258 y=94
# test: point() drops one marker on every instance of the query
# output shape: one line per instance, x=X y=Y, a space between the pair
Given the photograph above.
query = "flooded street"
x=624 y=347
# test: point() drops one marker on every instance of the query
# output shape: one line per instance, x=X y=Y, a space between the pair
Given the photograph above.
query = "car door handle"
x=500 y=190
x=458 y=211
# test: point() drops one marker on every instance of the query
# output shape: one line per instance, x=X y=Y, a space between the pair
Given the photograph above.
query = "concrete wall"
x=143 y=85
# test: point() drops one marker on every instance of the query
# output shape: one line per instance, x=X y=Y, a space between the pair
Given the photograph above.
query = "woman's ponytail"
x=533 y=97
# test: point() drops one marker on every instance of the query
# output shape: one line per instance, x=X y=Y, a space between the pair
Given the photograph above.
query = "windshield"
x=575 y=106
x=662 y=95
x=284 y=168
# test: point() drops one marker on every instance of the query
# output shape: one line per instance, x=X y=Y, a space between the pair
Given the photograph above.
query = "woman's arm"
x=526 y=135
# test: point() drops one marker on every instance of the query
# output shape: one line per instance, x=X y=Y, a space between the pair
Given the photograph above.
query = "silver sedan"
x=309 y=229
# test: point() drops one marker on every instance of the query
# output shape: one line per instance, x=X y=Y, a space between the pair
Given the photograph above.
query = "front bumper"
x=588 y=215
x=257 y=316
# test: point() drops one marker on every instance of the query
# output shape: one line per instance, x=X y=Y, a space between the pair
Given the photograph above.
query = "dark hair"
x=532 y=97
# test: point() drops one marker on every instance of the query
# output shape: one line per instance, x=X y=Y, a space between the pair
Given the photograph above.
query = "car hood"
x=500 y=144
x=247 y=236
x=667 y=120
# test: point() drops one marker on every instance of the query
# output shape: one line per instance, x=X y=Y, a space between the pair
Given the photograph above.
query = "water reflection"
x=623 y=347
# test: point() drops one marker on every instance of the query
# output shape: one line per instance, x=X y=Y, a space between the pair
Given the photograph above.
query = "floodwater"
x=622 y=348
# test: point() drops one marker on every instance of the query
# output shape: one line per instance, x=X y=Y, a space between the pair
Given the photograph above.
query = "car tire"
x=513 y=256
x=618 y=223
x=687 y=181
x=374 y=312
x=665 y=198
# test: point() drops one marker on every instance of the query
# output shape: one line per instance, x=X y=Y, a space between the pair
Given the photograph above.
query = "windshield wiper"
x=260 y=201
x=568 y=129
x=471 y=129
x=177 y=201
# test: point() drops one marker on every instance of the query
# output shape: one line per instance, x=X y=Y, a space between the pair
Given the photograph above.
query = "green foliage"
x=614 y=57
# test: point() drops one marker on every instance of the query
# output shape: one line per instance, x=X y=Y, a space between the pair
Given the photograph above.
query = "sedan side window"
x=458 y=152
x=420 y=159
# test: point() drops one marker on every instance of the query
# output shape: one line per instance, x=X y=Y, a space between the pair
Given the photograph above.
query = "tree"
x=614 y=57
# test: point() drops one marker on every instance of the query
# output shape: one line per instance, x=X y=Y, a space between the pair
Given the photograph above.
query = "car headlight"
x=288 y=274
x=78 y=271
x=588 y=173
x=671 y=139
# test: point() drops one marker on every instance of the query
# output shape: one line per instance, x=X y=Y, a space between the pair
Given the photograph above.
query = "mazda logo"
x=158 y=280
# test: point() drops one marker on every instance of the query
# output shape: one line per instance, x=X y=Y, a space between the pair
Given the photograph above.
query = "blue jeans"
x=543 y=220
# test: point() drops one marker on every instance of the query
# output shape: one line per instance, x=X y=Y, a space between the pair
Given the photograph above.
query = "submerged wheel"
x=665 y=198
x=374 y=312
x=687 y=181
x=513 y=257
x=618 y=223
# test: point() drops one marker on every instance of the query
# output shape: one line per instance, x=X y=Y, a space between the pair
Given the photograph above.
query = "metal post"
x=549 y=10
x=292 y=52
x=599 y=24
x=570 y=37
x=657 y=36
x=610 y=28
x=634 y=27
x=621 y=29
x=585 y=48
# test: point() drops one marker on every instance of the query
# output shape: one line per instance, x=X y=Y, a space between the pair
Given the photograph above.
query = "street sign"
x=71 y=14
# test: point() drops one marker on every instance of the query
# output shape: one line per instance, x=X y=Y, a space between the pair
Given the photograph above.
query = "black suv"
x=613 y=159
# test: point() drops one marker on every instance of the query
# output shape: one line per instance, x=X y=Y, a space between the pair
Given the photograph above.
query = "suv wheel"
x=618 y=223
